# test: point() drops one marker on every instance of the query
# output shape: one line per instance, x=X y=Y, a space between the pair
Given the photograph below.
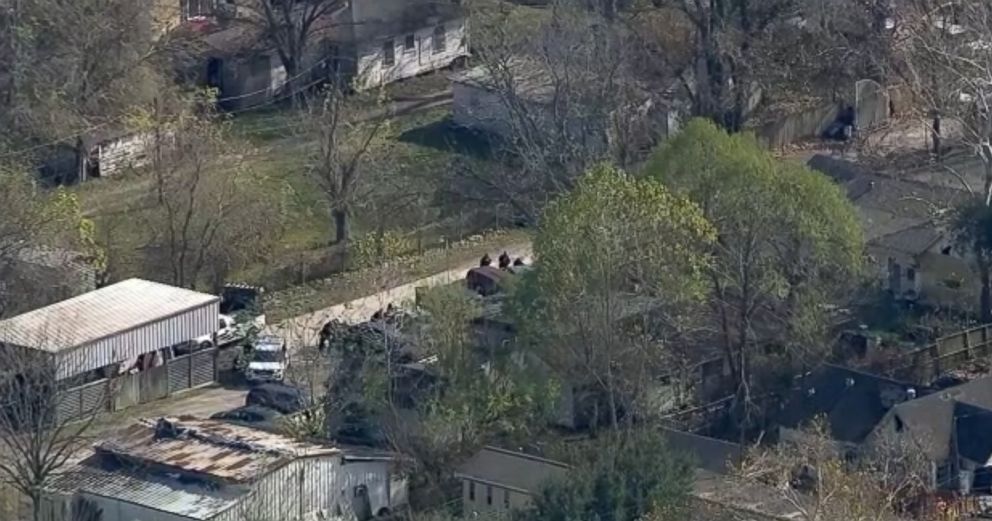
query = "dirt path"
x=303 y=330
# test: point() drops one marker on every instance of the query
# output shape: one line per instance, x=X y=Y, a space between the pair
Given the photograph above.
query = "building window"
x=439 y=39
x=388 y=53
x=409 y=42
x=489 y=495
x=196 y=9
x=506 y=499
x=471 y=491
x=911 y=274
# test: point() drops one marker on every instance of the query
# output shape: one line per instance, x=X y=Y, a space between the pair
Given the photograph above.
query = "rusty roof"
x=210 y=448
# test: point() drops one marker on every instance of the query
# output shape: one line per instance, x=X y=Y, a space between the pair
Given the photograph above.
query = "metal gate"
x=81 y=401
x=193 y=370
x=204 y=367
x=179 y=373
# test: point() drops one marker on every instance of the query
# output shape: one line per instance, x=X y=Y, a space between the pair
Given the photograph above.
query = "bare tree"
x=38 y=436
x=62 y=85
x=571 y=93
x=347 y=129
x=825 y=480
x=290 y=28
x=945 y=60
x=210 y=212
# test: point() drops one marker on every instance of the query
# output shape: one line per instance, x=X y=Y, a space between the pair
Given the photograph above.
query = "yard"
x=413 y=154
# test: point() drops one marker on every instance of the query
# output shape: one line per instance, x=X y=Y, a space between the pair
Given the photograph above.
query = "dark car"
x=285 y=399
x=252 y=415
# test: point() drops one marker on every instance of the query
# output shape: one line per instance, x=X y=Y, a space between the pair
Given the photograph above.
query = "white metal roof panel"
x=190 y=499
x=99 y=314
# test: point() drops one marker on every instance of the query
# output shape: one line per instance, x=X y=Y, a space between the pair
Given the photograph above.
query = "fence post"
x=168 y=361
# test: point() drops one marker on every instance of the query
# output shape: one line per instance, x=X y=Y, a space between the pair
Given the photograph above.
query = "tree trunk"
x=81 y=160
x=342 y=226
x=986 y=295
x=935 y=136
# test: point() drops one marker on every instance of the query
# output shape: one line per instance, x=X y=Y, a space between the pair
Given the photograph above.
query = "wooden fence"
x=921 y=366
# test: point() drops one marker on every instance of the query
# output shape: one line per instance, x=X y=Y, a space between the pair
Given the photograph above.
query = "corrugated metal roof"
x=190 y=499
x=99 y=314
x=226 y=452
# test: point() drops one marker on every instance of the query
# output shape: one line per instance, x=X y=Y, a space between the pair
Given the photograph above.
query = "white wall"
x=408 y=63
x=503 y=500
x=123 y=153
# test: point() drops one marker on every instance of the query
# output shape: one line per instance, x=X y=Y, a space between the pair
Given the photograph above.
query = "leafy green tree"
x=622 y=264
x=632 y=475
x=788 y=241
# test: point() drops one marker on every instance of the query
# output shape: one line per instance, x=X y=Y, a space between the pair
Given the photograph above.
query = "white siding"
x=123 y=153
x=408 y=63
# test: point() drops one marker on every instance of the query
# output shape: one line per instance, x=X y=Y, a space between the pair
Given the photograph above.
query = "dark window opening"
x=388 y=53
x=946 y=250
x=910 y=274
x=506 y=499
x=439 y=39
x=489 y=495
x=471 y=491
x=409 y=42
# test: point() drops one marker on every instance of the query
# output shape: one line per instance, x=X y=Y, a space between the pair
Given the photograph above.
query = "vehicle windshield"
x=267 y=356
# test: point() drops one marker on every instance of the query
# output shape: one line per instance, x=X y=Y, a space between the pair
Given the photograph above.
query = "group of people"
x=503 y=260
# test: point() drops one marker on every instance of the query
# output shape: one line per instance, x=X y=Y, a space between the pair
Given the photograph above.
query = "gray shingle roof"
x=512 y=470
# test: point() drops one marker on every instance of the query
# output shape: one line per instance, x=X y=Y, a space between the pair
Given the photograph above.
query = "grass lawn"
x=280 y=151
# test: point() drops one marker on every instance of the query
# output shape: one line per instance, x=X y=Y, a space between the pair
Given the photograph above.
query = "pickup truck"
x=240 y=312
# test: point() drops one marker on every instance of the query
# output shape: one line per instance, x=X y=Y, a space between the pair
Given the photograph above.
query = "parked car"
x=285 y=399
x=266 y=360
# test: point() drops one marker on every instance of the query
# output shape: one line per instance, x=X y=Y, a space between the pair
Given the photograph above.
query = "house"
x=911 y=250
x=132 y=338
x=499 y=480
x=496 y=481
x=481 y=103
x=364 y=44
x=951 y=428
x=851 y=402
x=186 y=469
x=383 y=41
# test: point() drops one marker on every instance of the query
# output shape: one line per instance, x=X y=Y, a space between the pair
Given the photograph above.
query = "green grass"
x=279 y=157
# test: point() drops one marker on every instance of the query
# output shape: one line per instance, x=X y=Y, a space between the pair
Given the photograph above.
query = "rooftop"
x=897 y=213
x=852 y=401
x=185 y=498
x=209 y=448
x=509 y=469
x=99 y=314
x=932 y=419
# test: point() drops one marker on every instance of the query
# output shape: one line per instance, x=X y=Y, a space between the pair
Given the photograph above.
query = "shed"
x=499 y=480
x=113 y=324
x=190 y=469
